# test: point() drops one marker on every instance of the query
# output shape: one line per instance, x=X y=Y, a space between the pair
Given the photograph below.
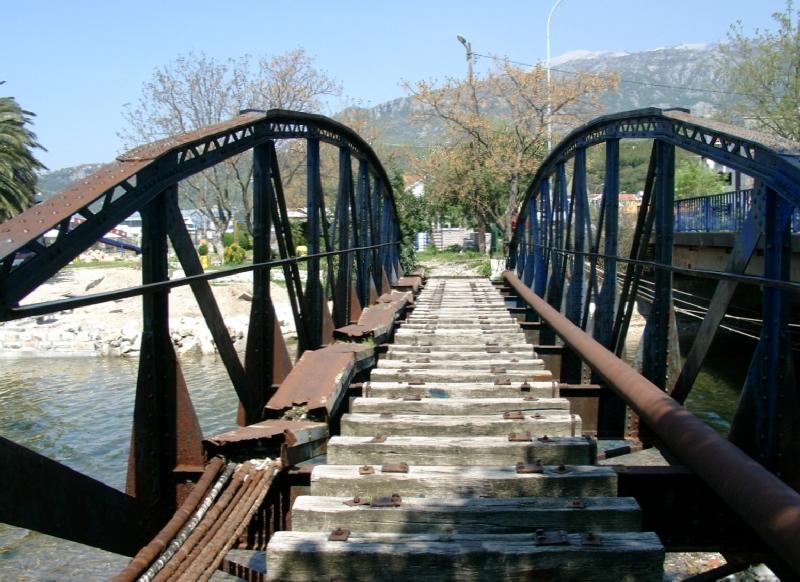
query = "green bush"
x=227 y=239
x=408 y=256
x=234 y=254
x=202 y=250
x=453 y=249
x=484 y=269
x=245 y=242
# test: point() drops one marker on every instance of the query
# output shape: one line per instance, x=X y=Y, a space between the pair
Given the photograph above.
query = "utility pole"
x=549 y=96
x=473 y=145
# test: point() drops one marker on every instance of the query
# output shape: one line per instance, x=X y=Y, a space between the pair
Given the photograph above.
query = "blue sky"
x=76 y=63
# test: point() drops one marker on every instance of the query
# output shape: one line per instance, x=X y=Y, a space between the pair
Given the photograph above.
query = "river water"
x=78 y=411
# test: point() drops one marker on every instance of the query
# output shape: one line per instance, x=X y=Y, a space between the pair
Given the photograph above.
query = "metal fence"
x=718 y=213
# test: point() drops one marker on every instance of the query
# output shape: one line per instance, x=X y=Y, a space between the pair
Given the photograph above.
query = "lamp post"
x=476 y=113
x=470 y=73
x=549 y=96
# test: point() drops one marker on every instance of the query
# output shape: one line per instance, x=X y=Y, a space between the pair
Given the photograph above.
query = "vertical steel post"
x=767 y=421
x=656 y=331
x=341 y=302
x=261 y=330
x=542 y=228
x=531 y=231
x=362 y=227
x=313 y=294
x=555 y=288
x=165 y=428
x=580 y=201
x=605 y=308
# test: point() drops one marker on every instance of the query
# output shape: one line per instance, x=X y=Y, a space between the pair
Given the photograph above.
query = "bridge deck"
x=454 y=467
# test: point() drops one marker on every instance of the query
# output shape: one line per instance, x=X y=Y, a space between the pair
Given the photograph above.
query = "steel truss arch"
x=550 y=235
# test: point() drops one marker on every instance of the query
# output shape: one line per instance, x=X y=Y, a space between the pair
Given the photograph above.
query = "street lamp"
x=470 y=73
x=549 y=97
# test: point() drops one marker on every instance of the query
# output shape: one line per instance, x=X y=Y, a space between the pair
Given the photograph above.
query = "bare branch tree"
x=196 y=90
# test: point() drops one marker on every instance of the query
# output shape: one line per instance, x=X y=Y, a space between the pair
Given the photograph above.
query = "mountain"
x=56 y=180
x=680 y=76
x=657 y=78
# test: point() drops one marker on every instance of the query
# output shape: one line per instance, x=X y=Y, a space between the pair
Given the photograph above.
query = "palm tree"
x=17 y=164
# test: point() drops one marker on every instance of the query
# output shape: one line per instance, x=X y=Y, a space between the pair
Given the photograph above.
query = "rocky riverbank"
x=113 y=329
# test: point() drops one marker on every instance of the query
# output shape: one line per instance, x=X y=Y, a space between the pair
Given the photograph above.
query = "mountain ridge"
x=682 y=76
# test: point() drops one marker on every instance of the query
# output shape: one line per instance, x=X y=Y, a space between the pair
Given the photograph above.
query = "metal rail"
x=766 y=503
x=725 y=212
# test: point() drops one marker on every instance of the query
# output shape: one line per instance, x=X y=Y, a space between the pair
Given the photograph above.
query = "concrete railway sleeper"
x=461 y=462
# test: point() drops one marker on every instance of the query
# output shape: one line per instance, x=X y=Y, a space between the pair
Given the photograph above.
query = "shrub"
x=202 y=250
x=453 y=249
x=484 y=269
x=234 y=254
x=245 y=242
x=227 y=239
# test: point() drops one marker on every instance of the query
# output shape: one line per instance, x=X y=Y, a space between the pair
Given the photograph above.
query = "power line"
x=626 y=81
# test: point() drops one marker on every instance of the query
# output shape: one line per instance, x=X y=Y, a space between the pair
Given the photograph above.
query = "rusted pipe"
x=151 y=551
x=763 y=501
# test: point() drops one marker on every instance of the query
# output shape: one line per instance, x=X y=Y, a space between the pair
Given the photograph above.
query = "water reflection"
x=79 y=413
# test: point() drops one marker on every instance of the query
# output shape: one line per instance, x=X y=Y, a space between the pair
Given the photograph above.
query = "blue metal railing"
x=718 y=213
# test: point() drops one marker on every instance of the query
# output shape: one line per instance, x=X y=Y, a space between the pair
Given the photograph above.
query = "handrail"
x=761 y=499
x=723 y=212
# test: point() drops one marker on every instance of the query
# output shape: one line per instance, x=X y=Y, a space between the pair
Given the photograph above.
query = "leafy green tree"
x=17 y=163
x=497 y=134
x=415 y=216
x=694 y=178
x=763 y=72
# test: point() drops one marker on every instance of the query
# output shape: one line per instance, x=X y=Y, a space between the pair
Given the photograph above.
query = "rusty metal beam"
x=43 y=495
x=762 y=500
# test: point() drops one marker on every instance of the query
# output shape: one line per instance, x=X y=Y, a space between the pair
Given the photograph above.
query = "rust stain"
x=264 y=430
x=315 y=379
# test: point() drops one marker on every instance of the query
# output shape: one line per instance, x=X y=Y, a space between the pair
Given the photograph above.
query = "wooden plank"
x=438 y=356
x=462 y=406
x=546 y=422
x=489 y=362
x=452 y=481
x=374 y=388
x=380 y=556
x=405 y=375
x=475 y=516
x=419 y=450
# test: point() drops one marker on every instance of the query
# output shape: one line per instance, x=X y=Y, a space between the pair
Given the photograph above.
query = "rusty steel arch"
x=357 y=239
x=574 y=263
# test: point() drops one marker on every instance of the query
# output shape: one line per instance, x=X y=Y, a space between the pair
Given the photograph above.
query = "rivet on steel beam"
x=378 y=438
x=525 y=387
x=386 y=415
x=576 y=504
x=545 y=439
x=366 y=470
x=513 y=415
x=561 y=469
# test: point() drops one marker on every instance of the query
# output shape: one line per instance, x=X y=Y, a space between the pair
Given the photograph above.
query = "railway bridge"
x=448 y=428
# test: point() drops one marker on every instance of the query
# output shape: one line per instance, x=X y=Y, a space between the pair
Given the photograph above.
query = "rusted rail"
x=762 y=500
